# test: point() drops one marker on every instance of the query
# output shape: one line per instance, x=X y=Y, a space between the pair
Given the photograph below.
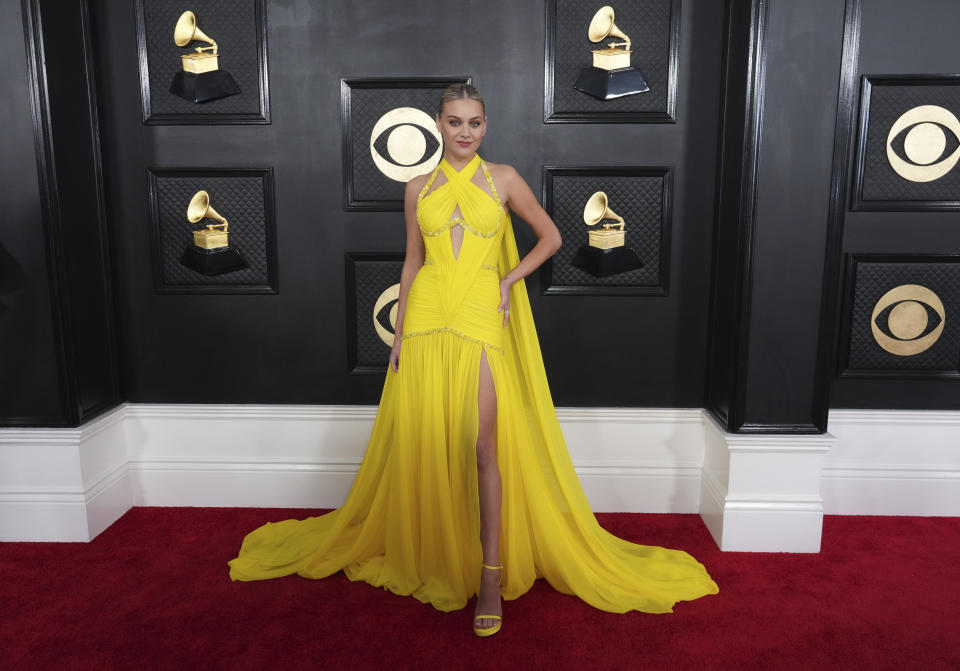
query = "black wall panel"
x=902 y=38
x=82 y=238
x=793 y=197
x=59 y=363
x=29 y=385
x=734 y=209
x=290 y=347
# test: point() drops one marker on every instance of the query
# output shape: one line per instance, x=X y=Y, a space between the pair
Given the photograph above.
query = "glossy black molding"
x=347 y=84
x=50 y=205
x=260 y=117
x=744 y=194
x=667 y=116
x=830 y=303
x=548 y=288
x=107 y=270
x=270 y=230
x=66 y=334
x=857 y=203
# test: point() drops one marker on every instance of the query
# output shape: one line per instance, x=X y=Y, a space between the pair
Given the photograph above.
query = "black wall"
x=762 y=149
x=290 y=347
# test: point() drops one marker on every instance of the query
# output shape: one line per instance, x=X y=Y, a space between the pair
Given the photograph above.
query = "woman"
x=466 y=465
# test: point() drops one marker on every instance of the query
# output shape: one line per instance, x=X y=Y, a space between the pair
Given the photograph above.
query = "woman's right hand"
x=395 y=354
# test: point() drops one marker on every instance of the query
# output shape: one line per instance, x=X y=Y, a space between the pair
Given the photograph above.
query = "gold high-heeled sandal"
x=488 y=631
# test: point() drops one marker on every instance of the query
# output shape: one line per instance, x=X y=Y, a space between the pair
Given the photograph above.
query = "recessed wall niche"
x=908 y=143
x=231 y=80
x=244 y=260
x=653 y=30
x=615 y=222
x=373 y=292
x=900 y=316
x=389 y=135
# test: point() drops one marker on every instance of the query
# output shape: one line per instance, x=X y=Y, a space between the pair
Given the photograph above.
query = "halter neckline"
x=472 y=162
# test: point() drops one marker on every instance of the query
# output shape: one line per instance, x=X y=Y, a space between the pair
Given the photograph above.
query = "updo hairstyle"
x=457 y=91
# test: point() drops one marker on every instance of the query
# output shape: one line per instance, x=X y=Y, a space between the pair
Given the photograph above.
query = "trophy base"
x=609 y=84
x=212 y=261
x=203 y=87
x=606 y=262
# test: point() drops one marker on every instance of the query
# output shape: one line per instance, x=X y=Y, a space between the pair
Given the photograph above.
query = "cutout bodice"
x=458 y=289
x=458 y=201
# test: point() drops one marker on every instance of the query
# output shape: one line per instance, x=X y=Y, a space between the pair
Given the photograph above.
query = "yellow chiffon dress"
x=411 y=521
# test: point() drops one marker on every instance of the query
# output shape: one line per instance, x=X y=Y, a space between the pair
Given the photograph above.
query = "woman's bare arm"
x=520 y=198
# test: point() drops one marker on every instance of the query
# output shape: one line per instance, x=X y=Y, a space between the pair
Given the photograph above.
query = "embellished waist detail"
x=459 y=220
x=448 y=329
x=485 y=266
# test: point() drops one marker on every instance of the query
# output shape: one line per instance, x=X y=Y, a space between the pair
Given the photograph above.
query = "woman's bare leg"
x=488 y=481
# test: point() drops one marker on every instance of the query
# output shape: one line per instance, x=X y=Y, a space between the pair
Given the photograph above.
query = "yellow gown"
x=411 y=522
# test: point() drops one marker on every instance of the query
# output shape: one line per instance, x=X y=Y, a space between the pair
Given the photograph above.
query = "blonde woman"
x=466 y=487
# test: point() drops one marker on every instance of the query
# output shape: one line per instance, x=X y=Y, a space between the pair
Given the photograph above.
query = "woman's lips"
x=464 y=144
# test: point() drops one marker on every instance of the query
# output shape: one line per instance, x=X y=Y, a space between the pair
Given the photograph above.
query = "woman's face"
x=461 y=124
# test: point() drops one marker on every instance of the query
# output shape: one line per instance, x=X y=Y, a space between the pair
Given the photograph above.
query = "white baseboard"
x=71 y=484
x=64 y=484
x=893 y=462
x=630 y=460
x=761 y=493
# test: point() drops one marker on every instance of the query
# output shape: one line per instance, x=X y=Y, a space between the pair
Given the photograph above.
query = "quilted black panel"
x=373 y=278
x=240 y=199
x=645 y=22
x=367 y=105
x=873 y=280
x=887 y=104
x=233 y=24
x=639 y=200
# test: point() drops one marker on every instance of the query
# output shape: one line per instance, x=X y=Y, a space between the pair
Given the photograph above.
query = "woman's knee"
x=486 y=453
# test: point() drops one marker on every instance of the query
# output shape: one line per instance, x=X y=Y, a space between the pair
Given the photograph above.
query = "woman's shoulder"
x=418 y=181
x=415 y=185
x=502 y=173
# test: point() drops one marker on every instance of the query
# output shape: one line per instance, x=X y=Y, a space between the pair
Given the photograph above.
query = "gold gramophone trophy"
x=605 y=255
x=611 y=75
x=210 y=253
x=200 y=79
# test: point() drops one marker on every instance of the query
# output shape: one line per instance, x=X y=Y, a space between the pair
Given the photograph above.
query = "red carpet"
x=152 y=591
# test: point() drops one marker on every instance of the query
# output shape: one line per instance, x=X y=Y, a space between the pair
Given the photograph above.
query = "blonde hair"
x=458 y=91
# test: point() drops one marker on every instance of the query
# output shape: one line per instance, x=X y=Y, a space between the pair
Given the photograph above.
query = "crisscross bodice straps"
x=480 y=211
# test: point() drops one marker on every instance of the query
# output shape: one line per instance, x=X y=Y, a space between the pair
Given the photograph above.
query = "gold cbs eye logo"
x=405 y=143
x=385 y=314
x=923 y=145
x=908 y=320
